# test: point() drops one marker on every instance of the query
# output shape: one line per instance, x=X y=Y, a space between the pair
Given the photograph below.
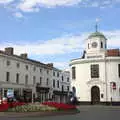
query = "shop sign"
x=10 y=93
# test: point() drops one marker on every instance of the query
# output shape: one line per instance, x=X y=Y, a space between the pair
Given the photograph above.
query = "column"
x=32 y=96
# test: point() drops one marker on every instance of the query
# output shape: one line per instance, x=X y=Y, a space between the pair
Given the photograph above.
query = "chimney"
x=9 y=50
x=50 y=64
x=24 y=55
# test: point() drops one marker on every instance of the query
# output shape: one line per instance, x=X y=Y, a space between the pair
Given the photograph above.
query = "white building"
x=96 y=75
x=61 y=85
x=27 y=78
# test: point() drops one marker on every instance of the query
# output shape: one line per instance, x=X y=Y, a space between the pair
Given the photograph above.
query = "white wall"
x=84 y=83
x=112 y=76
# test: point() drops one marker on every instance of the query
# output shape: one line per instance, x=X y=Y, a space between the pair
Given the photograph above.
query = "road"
x=86 y=113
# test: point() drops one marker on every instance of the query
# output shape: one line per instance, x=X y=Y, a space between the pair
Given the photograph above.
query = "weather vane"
x=96 y=26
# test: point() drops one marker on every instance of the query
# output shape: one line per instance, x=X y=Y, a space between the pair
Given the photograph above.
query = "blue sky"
x=55 y=30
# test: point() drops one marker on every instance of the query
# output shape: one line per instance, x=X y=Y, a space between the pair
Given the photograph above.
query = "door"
x=95 y=95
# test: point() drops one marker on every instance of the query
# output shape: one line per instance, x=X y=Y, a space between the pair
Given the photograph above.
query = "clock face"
x=94 y=44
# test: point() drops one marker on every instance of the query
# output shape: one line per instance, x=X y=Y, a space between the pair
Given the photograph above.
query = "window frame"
x=74 y=72
x=94 y=68
x=34 y=80
x=119 y=70
x=53 y=83
x=8 y=62
x=7 y=76
x=26 y=79
x=17 y=78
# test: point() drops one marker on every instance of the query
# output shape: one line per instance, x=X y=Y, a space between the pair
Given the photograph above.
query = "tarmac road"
x=95 y=112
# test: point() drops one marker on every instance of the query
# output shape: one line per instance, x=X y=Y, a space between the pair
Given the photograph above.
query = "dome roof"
x=96 y=34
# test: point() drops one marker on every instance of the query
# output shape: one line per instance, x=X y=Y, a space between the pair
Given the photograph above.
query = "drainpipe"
x=2 y=92
x=32 y=96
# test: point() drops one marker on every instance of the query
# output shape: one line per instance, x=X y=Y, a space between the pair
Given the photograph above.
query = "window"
x=73 y=73
x=58 y=84
x=26 y=67
x=101 y=44
x=18 y=65
x=119 y=70
x=67 y=88
x=57 y=74
x=95 y=71
x=34 y=68
x=47 y=71
x=102 y=95
x=8 y=63
x=17 y=78
x=53 y=73
x=40 y=70
x=26 y=79
x=47 y=81
x=67 y=79
x=62 y=78
x=53 y=83
x=62 y=87
x=119 y=91
x=7 y=76
x=34 y=80
x=40 y=80
x=114 y=86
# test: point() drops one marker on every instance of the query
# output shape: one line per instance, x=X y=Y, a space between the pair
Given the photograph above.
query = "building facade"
x=61 y=85
x=28 y=79
x=96 y=75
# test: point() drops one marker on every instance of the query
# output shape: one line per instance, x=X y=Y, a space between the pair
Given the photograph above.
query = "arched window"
x=101 y=44
x=73 y=72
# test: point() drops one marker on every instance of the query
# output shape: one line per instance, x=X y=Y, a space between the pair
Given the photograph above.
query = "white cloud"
x=18 y=15
x=34 y=5
x=69 y=44
x=113 y=38
x=63 y=45
x=5 y=1
x=100 y=3
x=62 y=65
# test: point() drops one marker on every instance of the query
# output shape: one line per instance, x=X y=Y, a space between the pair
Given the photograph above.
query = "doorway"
x=95 y=95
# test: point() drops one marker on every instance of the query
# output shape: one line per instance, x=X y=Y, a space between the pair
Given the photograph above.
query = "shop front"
x=60 y=96
x=27 y=95
x=42 y=94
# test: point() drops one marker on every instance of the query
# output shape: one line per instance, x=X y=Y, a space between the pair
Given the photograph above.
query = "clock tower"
x=96 y=44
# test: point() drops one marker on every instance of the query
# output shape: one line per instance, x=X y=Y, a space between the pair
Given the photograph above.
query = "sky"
x=54 y=31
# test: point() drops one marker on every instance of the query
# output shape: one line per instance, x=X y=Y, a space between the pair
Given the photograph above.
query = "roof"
x=97 y=34
x=113 y=52
x=56 y=69
x=30 y=60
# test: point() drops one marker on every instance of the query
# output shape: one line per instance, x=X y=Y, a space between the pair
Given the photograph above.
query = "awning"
x=42 y=89
x=56 y=92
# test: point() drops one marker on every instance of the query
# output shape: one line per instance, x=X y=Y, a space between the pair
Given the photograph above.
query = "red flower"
x=60 y=106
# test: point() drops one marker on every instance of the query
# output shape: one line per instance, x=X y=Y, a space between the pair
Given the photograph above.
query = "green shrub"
x=31 y=108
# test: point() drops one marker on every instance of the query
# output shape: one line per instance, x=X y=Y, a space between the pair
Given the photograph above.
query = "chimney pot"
x=24 y=55
x=9 y=50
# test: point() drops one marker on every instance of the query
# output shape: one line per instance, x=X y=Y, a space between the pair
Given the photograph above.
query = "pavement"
x=36 y=114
